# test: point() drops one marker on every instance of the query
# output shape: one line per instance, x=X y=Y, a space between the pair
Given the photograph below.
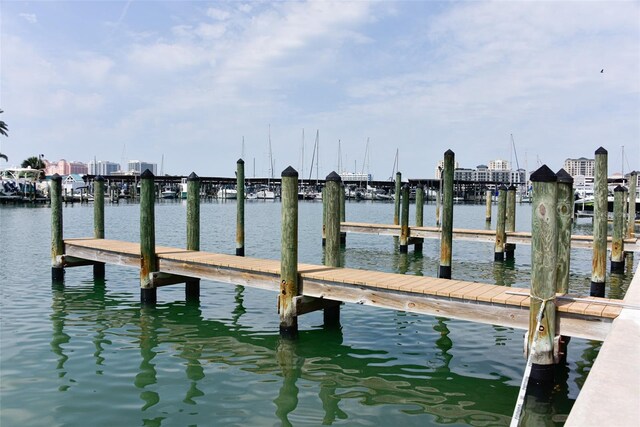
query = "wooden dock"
x=519 y=237
x=471 y=301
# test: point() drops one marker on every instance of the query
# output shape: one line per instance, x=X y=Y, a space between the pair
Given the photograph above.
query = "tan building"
x=581 y=166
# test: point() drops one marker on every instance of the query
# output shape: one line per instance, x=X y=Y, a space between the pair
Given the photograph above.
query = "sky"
x=183 y=83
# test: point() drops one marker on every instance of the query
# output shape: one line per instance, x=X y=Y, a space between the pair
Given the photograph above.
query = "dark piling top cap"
x=619 y=188
x=240 y=161
x=420 y=185
x=193 y=177
x=512 y=188
x=56 y=177
x=99 y=178
x=503 y=188
x=544 y=174
x=289 y=172
x=405 y=186
x=449 y=153
x=564 y=177
x=333 y=176
x=601 y=151
x=147 y=174
x=398 y=173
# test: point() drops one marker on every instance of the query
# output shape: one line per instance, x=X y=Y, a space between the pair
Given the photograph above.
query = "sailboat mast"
x=302 y=156
x=318 y=159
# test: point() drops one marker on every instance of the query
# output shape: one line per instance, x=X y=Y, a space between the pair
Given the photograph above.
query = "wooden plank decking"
x=472 y=301
x=520 y=237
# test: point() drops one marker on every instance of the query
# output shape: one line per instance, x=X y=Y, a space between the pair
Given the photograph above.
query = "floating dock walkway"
x=588 y=318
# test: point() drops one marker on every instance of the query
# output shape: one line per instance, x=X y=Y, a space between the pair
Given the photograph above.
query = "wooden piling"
x=501 y=235
x=396 y=211
x=332 y=248
x=324 y=216
x=240 y=208
x=192 y=286
x=57 y=239
x=417 y=242
x=289 y=255
x=617 y=238
x=631 y=223
x=488 y=197
x=446 y=238
x=544 y=250
x=148 y=258
x=98 y=220
x=510 y=222
x=343 y=214
x=439 y=199
x=565 y=221
x=599 y=259
x=404 y=220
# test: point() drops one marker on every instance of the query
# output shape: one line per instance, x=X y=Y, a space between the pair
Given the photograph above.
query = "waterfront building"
x=102 y=167
x=499 y=165
x=581 y=166
x=137 y=167
x=63 y=167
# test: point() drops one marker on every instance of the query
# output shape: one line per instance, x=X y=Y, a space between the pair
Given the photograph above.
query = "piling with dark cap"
x=149 y=259
x=544 y=251
x=398 y=187
x=192 y=286
x=565 y=221
x=417 y=242
x=510 y=221
x=240 y=208
x=501 y=235
x=404 y=220
x=631 y=223
x=343 y=215
x=600 y=190
x=446 y=238
x=289 y=254
x=57 y=239
x=98 y=220
x=332 y=248
x=617 y=238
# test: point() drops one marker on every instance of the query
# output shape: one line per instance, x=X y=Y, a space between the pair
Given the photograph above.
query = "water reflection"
x=340 y=373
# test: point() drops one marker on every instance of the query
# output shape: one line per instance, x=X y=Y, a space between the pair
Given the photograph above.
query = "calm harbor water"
x=85 y=352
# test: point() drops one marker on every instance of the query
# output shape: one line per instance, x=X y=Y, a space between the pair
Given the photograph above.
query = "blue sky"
x=188 y=80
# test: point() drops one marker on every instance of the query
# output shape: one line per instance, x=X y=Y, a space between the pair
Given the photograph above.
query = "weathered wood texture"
x=240 y=208
x=617 y=240
x=488 y=199
x=544 y=253
x=404 y=219
x=289 y=253
x=193 y=212
x=57 y=242
x=396 y=205
x=446 y=239
x=471 y=301
x=599 y=258
x=332 y=193
x=565 y=221
x=501 y=235
x=98 y=208
x=148 y=259
x=633 y=183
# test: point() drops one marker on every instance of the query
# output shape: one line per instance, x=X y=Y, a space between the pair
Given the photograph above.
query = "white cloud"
x=218 y=14
x=29 y=17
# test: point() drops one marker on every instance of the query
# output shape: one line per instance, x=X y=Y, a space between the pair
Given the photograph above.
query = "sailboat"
x=265 y=192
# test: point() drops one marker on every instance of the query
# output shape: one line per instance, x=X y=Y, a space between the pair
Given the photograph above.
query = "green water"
x=85 y=352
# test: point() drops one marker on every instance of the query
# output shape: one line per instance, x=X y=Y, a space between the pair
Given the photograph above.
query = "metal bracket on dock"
x=304 y=304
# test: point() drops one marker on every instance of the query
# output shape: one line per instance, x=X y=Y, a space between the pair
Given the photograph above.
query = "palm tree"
x=3 y=131
x=34 y=162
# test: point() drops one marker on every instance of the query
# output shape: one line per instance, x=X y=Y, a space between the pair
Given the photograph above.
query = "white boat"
x=17 y=183
x=183 y=188
x=168 y=193
x=227 y=193
x=265 y=194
